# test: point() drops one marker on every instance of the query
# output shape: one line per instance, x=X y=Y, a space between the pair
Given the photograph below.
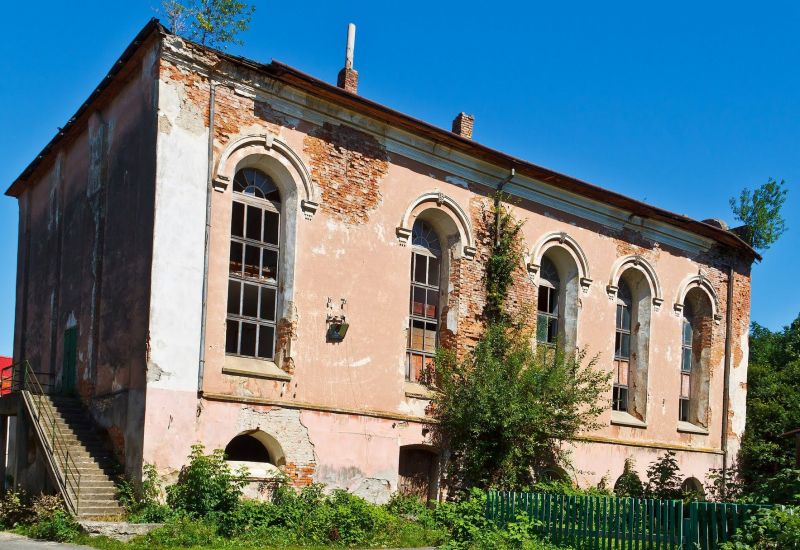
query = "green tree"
x=505 y=409
x=773 y=402
x=214 y=23
x=629 y=484
x=663 y=478
x=760 y=212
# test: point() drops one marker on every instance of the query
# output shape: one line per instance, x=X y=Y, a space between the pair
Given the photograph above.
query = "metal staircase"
x=80 y=465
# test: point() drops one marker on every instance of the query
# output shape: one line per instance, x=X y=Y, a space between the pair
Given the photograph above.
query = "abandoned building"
x=238 y=254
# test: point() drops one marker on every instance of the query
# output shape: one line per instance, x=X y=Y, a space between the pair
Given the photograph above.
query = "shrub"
x=206 y=485
x=769 y=529
x=49 y=520
x=182 y=531
x=663 y=480
x=629 y=484
x=14 y=509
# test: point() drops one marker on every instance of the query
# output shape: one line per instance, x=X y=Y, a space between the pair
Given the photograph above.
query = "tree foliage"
x=663 y=478
x=505 y=409
x=773 y=402
x=760 y=212
x=214 y=23
x=629 y=483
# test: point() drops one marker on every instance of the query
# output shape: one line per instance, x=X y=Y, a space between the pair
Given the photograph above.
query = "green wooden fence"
x=599 y=522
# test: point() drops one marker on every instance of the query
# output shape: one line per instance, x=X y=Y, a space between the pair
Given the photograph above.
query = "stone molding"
x=566 y=242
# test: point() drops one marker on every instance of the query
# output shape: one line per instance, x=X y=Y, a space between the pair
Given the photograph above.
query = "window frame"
x=687 y=366
x=622 y=361
x=243 y=279
x=427 y=251
x=553 y=313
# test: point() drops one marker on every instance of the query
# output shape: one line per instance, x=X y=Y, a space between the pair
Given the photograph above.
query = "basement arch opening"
x=255 y=447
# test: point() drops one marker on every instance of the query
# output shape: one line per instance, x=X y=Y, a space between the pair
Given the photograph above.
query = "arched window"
x=622 y=347
x=254 y=257
x=697 y=333
x=687 y=337
x=548 y=311
x=423 y=328
x=255 y=446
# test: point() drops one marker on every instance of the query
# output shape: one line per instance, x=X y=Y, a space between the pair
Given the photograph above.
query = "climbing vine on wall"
x=506 y=409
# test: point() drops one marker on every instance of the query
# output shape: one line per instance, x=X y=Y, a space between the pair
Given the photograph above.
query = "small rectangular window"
x=268 y=299
x=253 y=223
x=420 y=269
x=231 y=336
x=237 y=220
x=236 y=258
x=271 y=227
x=683 y=410
x=266 y=339
x=248 y=339
x=234 y=297
x=250 y=301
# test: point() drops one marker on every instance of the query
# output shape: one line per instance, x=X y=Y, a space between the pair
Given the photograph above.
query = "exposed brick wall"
x=348 y=166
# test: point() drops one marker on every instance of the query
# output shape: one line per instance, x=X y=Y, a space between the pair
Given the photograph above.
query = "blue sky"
x=679 y=104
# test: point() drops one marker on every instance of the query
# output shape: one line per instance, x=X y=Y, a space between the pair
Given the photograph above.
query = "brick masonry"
x=348 y=165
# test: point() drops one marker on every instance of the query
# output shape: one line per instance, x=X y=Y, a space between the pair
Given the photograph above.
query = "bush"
x=629 y=484
x=14 y=509
x=769 y=529
x=663 y=481
x=50 y=521
x=206 y=485
x=182 y=531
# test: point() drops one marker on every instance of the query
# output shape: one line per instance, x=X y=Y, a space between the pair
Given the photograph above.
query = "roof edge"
x=315 y=86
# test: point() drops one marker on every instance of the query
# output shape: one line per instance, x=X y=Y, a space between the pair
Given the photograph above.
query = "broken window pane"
x=250 y=301
x=269 y=269
x=234 y=290
x=268 y=303
x=248 y=339
x=622 y=345
x=253 y=223
x=420 y=268
x=231 y=336
x=433 y=271
x=251 y=261
x=237 y=220
x=542 y=304
x=417 y=301
x=432 y=304
x=236 y=258
x=271 y=220
x=266 y=342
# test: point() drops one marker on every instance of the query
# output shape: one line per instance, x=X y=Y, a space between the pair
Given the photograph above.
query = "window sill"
x=417 y=391
x=689 y=428
x=255 y=368
x=621 y=418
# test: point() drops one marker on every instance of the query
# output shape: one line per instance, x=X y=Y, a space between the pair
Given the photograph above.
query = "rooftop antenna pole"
x=351 y=46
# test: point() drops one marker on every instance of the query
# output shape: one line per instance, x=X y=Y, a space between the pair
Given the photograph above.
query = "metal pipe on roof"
x=351 y=46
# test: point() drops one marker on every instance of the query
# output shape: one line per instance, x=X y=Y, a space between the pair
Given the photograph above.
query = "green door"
x=70 y=358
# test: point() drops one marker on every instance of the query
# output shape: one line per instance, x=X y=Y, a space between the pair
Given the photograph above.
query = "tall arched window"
x=253 y=275
x=548 y=312
x=423 y=328
x=687 y=337
x=622 y=347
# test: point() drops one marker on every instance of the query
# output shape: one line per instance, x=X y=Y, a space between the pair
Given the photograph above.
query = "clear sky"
x=679 y=104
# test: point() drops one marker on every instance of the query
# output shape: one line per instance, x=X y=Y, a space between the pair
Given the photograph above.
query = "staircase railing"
x=52 y=437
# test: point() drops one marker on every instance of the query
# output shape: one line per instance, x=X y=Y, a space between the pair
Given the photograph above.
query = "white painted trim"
x=641 y=264
x=298 y=104
x=565 y=241
x=698 y=281
x=443 y=202
x=226 y=165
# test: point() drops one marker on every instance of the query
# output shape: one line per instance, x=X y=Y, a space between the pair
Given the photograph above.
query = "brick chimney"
x=463 y=124
x=348 y=76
